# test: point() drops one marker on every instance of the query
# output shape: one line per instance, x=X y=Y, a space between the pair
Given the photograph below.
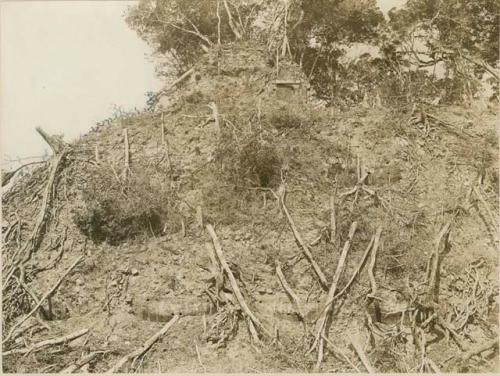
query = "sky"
x=64 y=65
x=386 y=5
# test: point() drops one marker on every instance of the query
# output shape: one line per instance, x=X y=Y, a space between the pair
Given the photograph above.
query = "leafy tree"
x=183 y=29
x=450 y=31
x=326 y=25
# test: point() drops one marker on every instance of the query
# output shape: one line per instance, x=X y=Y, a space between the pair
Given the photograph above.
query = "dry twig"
x=48 y=294
x=305 y=249
x=359 y=350
x=294 y=299
x=234 y=285
x=322 y=321
x=81 y=362
x=49 y=342
x=135 y=354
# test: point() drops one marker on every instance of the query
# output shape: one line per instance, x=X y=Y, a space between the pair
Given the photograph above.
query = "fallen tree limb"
x=55 y=142
x=359 y=350
x=341 y=352
x=305 y=249
x=48 y=294
x=322 y=321
x=294 y=299
x=234 y=285
x=150 y=342
x=175 y=83
x=440 y=249
x=333 y=221
x=49 y=342
x=7 y=176
x=493 y=344
x=371 y=275
x=360 y=266
x=486 y=206
x=35 y=239
x=81 y=362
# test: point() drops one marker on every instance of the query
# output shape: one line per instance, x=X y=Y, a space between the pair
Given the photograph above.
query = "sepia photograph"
x=250 y=186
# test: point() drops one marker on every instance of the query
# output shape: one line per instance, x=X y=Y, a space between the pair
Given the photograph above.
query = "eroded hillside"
x=239 y=211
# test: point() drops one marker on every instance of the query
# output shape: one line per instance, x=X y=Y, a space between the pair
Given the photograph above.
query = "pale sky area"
x=63 y=67
x=64 y=64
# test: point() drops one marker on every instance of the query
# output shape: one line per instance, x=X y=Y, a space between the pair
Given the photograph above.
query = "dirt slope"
x=268 y=135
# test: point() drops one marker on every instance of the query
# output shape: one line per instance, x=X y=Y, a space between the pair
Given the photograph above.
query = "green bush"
x=116 y=209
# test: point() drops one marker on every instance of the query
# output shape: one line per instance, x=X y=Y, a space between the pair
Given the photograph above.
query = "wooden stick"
x=199 y=355
x=441 y=247
x=162 y=128
x=49 y=342
x=175 y=83
x=55 y=142
x=371 y=275
x=150 y=342
x=359 y=350
x=165 y=145
x=49 y=293
x=36 y=237
x=486 y=207
x=305 y=249
x=289 y=292
x=215 y=114
x=232 y=281
x=493 y=344
x=81 y=362
x=360 y=265
x=322 y=321
x=233 y=27
x=333 y=226
x=341 y=352
x=96 y=150
x=218 y=22
x=199 y=216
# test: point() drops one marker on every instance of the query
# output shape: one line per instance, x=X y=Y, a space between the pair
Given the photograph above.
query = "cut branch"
x=359 y=350
x=371 y=275
x=49 y=342
x=150 y=342
x=215 y=114
x=305 y=249
x=233 y=27
x=55 y=142
x=493 y=344
x=333 y=226
x=234 y=284
x=81 y=362
x=294 y=299
x=48 y=294
x=441 y=248
x=322 y=321
x=175 y=83
x=34 y=241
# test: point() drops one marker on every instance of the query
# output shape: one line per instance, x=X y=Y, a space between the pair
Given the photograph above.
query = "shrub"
x=283 y=120
x=114 y=211
x=259 y=161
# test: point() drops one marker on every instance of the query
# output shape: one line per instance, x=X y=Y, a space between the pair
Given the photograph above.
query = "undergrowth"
x=116 y=209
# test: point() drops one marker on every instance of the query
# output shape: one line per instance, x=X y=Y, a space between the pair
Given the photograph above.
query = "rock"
x=79 y=282
x=134 y=272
